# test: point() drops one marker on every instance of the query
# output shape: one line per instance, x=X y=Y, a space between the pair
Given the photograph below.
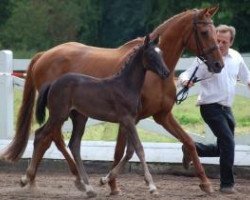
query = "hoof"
x=90 y=191
x=80 y=186
x=91 y=194
x=116 y=192
x=104 y=180
x=207 y=187
x=23 y=181
x=153 y=189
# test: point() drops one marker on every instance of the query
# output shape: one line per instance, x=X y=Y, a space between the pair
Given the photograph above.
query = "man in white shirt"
x=215 y=101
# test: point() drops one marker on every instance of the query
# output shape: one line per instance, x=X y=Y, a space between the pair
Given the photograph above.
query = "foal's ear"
x=146 y=41
x=156 y=40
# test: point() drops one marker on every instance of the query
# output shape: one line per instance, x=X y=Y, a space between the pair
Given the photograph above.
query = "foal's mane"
x=130 y=57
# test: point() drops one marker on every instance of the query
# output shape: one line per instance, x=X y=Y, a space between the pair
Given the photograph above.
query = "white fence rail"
x=6 y=104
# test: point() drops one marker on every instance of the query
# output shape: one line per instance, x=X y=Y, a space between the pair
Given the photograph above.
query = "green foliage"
x=39 y=25
x=6 y=7
x=123 y=21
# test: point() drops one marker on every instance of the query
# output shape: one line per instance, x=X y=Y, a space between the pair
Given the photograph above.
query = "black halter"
x=202 y=53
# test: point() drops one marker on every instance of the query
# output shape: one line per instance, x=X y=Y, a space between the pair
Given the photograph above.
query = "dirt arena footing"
x=102 y=167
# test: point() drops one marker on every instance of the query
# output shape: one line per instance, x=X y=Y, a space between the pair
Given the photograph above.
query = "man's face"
x=224 y=42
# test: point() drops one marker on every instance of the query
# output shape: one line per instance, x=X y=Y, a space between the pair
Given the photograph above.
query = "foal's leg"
x=118 y=168
x=42 y=142
x=60 y=144
x=79 y=122
x=167 y=120
x=133 y=139
x=119 y=152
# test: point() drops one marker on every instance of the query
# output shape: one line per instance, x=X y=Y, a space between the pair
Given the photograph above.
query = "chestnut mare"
x=192 y=29
x=115 y=99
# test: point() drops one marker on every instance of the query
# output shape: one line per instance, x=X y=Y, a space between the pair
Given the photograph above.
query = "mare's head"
x=202 y=39
x=152 y=58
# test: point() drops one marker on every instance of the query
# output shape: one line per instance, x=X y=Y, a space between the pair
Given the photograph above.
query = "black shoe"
x=228 y=190
x=186 y=160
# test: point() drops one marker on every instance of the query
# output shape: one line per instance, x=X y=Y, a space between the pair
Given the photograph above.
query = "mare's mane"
x=162 y=27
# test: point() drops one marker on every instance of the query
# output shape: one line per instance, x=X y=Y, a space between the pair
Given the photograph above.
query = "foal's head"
x=152 y=58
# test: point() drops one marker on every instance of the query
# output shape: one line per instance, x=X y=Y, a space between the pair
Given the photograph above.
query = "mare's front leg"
x=167 y=120
x=79 y=122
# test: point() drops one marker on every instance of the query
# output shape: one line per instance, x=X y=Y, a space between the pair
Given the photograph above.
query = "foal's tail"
x=41 y=103
x=16 y=148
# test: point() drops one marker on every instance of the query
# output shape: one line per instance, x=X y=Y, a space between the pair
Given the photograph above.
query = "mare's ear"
x=212 y=10
x=146 y=41
x=209 y=11
x=156 y=40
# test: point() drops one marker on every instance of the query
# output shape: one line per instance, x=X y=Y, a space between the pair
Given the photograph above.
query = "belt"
x=216 y=105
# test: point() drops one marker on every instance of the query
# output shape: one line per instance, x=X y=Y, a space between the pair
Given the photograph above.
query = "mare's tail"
x=18 y=144
x=41 y=103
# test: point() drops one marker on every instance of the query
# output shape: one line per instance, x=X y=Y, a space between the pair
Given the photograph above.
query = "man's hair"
x=225 y=28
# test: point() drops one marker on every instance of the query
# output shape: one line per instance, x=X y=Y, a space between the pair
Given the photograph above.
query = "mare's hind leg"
x=169 y=123
x=42 y=141
x=79 y=122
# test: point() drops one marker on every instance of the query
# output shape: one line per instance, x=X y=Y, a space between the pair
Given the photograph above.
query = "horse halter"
x=202 y=52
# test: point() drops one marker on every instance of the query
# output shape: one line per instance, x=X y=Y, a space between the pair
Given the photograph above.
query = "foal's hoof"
x=153 y=190
x=90 y=191
x=23 y=181
x=207 y=187
x=103 y=180
x=80 y=186
x=91 y=194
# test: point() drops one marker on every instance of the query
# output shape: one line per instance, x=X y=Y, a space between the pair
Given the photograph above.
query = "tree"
x=39 y=25
x=123 y=21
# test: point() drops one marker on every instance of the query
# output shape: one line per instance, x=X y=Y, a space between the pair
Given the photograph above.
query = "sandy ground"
x=61 y=186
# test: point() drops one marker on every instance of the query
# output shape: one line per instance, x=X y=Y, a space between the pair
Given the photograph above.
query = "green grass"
x=108 y=132
x=187 y=114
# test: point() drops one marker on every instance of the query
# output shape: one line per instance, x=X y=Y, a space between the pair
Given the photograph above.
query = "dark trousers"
x=221 y=121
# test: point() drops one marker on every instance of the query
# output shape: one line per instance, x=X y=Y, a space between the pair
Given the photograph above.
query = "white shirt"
x=220 y=87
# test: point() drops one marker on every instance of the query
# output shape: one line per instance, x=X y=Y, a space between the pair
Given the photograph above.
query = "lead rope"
x=183 y=93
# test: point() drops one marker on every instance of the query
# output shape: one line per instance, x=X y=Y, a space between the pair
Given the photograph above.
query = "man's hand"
x=191 y=84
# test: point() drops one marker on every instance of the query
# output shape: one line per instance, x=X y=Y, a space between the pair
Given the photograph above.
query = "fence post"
x=6 y=92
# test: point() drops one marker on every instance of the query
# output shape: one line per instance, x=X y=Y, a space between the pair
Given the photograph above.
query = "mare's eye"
x=204 y=33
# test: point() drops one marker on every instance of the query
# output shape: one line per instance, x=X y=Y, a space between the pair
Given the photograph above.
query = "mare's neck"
x=173 y=35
